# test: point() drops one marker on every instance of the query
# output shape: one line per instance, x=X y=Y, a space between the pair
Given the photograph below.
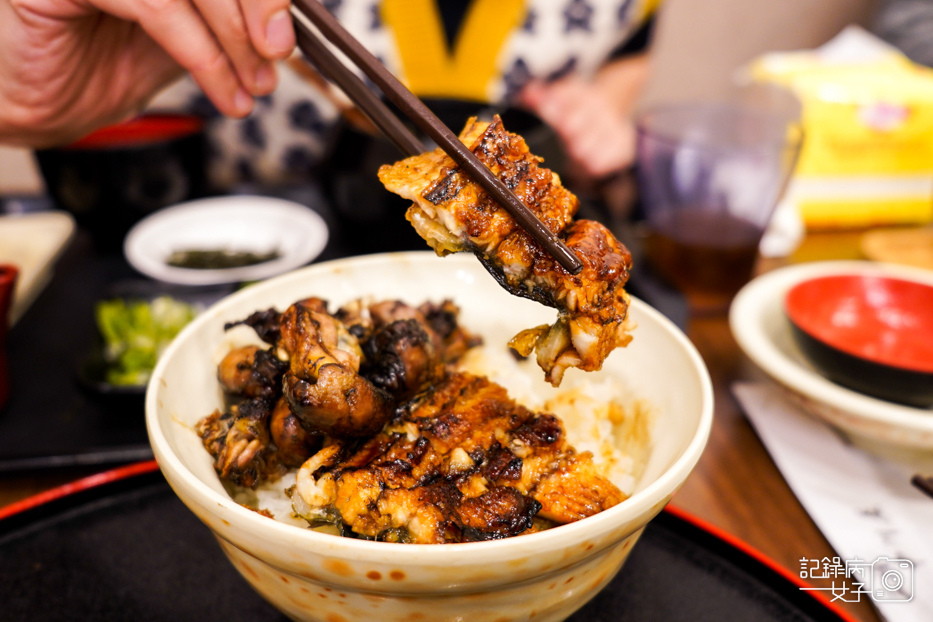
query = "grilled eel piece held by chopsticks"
x=453 y=213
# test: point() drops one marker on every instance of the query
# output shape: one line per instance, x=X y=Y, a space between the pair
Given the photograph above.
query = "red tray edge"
x=85 y=483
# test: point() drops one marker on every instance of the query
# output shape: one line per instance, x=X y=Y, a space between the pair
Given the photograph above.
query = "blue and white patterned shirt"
x=481 y=51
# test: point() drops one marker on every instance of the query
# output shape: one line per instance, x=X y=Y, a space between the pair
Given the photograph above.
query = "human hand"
x=598 y=138
x=69 y=66
x=592 y=117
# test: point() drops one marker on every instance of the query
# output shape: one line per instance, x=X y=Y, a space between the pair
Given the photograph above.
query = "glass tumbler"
x=709 y=177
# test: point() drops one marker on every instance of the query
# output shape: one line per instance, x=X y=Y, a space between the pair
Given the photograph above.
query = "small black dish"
x=91 y=368
x=92 y=377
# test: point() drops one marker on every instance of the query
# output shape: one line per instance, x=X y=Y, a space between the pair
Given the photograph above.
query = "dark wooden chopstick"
x=421 y=116
x=334 y=70
x=924 y=483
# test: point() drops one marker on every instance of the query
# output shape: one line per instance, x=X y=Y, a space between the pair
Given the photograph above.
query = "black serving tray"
x=121 y=546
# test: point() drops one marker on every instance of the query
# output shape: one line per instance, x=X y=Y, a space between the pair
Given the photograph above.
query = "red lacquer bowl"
x=120 y=174
x=870 y=333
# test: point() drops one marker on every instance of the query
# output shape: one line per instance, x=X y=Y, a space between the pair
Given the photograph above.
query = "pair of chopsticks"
x=396 y=131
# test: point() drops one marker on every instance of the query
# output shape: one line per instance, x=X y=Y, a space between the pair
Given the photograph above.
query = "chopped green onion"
x=136 y=332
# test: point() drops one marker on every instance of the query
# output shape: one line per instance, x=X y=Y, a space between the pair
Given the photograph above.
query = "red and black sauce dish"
x=118 y=174
x=872 y=334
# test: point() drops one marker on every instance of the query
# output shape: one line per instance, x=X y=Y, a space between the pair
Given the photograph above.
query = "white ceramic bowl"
x=314 y=576
x=762 y=330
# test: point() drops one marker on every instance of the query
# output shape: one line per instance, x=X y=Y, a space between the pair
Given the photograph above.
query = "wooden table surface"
x=735 y=486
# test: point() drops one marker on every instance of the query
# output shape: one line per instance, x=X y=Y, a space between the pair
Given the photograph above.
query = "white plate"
x=239 y=223
x=763 y=331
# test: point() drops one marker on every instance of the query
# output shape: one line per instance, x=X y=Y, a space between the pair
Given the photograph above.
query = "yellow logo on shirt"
x=430 y=69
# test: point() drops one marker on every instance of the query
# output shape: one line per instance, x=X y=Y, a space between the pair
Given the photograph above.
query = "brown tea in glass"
x=709 y=177
x=706 y=255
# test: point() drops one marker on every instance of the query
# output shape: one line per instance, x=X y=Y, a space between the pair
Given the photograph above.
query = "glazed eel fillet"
x=453 y=213
x=390 y=443
x=460 y=462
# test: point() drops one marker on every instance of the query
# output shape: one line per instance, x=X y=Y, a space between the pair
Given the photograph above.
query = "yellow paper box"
x=867 y=115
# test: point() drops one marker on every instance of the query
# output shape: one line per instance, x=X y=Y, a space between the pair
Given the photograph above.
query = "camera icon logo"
x=892 y=580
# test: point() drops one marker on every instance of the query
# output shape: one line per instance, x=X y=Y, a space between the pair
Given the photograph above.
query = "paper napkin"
x=879 y=524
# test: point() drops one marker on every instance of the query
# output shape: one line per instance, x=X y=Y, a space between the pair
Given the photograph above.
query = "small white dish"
x=236 y=223
x=761 y=328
